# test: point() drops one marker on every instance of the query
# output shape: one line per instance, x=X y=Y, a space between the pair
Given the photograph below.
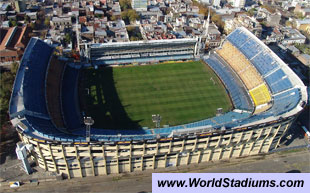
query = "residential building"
x=216 y=3
x=239 y=3
x=13 y=42
x=273 y=19
x=139 y=5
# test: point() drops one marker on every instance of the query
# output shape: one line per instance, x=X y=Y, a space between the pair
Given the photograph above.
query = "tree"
x=133 y=15
x=6 y=83
x=32 y=25
x=27 y=19
x=288 y=23
x=9 y=8
x=133 y=38
x=47 y=22
x=270 y=9
x=130 y=15
x=217 y=19
x=131 y=29
x=14 y=67
x=299 y=15
x=124 y=15
x=125 y=4
x=98 y=15
x=67 y=38
x=12 y=23
x=251 y=12
x=113 y=18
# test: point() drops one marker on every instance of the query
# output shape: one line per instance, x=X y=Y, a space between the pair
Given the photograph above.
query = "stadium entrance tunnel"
x=101 y=101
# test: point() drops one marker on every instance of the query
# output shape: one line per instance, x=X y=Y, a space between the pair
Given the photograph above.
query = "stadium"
x=259 y=98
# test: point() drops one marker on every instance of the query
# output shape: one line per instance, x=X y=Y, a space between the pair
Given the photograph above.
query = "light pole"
x=88 y=121
x=156 y=119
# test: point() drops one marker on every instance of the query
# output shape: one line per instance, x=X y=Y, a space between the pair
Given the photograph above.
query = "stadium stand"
x=250 y=48
x=234 y=86
x=264 y=63
x=285 y=101
x=53 y=86
x=278 y=81
x=141 y=51
x=260 y=95
x=238 y=37
x=70 y=102
x=35 y=73
x=240 y=65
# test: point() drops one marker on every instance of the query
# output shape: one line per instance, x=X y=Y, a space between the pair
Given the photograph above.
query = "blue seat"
x=264 y=63
x=235 y=89
x=286 y=101
x=275 y=76
x=34 y=77
x=278 y=81
x=237 y=38
x=279 y=86
x=250 y=48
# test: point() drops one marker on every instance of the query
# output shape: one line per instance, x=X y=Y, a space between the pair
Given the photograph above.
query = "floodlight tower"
x=88 y=121
x=156 y=119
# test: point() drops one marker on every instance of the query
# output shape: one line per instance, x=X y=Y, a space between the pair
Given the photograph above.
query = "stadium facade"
x=266 y=94
x=152 y=51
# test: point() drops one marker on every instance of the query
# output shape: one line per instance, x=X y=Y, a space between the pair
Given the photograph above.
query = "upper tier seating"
x=264 y=63
x=34 y=80
x=240 y=65
x=278 y=81
x=250 y=48
x=238 y=38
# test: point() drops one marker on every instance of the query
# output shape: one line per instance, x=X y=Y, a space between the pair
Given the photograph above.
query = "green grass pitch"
x=126 y=97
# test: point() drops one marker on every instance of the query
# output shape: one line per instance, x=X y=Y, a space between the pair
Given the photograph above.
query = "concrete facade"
x=99 y=158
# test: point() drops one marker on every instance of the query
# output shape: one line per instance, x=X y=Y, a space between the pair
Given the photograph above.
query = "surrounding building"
x=13 y=42
x=305 y=59
x=216 y=3
x=273 y=19
x=292 y=36
x=214 y=37
x=243 y=20
x=61 y=22
x=139 y=5
x=303 y=25
x=141 y=51
x=20 y=5
x=239 y=3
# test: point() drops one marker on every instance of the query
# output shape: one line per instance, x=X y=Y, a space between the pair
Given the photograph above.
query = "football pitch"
x=127 y=97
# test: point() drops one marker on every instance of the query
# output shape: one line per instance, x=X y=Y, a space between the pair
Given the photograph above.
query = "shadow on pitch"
x=293 y=171
x=103 y=103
